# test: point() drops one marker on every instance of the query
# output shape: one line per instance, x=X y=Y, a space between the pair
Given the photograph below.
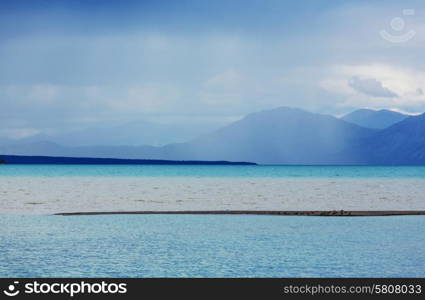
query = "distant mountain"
x=279 y=136
x=129 y=134
x=400 y=144
x=376 y=119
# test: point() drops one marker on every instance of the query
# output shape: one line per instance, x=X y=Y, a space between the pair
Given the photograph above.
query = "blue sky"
x=66 y=65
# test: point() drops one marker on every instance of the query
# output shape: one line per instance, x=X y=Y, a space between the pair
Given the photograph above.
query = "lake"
x=33 y=243
x=211 y=246
x=215 y=171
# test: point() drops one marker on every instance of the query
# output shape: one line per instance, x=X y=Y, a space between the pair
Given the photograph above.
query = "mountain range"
x=377 y=119
x=278 y=136
x=134 y=133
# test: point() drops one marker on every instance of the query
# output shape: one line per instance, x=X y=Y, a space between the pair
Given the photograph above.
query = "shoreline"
x=323 y=213
x=66 y=160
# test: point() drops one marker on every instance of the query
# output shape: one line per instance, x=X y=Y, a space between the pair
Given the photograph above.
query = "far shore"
x=324 y=213
x=59 y=160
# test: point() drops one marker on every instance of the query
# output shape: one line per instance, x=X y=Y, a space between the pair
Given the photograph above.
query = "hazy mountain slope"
x=53 y=149
x=402 y=143
x=130 y=134
x=136 y=134
x=278 y=136
x=377 y=119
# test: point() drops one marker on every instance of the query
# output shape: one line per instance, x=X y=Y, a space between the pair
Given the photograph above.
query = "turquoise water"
x=214 y=171
x=211 y=246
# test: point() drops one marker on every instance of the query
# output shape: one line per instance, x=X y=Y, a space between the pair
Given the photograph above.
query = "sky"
x=67 y=65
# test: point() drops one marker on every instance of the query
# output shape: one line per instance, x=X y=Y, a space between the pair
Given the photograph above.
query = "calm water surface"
x=211 y=246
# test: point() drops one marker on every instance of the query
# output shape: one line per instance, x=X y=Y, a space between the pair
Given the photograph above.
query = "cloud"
x=404 y=112
x=226 y=88
x=43 y=92
x=226 y=81
x=375 y=86
x=144 y=99
x=123 y=64
x=371 y=87
x=18 y=133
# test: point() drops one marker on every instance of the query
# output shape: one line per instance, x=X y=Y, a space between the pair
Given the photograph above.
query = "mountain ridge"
x=375 y=119
x=400 y=144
